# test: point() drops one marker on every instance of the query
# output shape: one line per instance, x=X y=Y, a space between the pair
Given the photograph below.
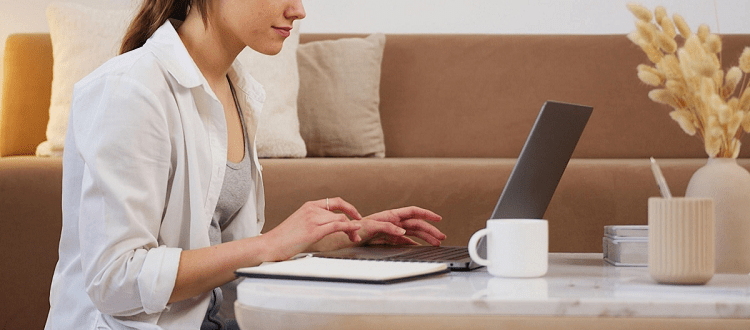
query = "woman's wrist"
x=263 y=248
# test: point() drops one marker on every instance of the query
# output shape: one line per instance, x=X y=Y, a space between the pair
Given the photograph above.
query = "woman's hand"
x=393 y=227
x=311 y=223
x=389 y=227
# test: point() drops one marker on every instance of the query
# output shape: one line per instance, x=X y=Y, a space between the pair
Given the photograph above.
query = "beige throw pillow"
x=85 y=37
x=339 y=96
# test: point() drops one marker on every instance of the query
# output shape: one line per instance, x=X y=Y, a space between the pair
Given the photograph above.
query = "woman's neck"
x=212 y=52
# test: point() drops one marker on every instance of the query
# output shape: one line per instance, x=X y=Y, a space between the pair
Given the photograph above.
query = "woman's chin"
x=268 y=50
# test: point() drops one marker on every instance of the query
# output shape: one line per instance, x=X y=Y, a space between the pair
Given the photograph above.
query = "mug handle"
x=473 y=247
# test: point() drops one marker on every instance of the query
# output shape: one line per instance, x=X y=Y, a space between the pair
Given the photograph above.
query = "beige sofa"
x=455 y=111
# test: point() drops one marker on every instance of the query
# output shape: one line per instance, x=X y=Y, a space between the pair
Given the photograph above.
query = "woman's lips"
x=283 y=31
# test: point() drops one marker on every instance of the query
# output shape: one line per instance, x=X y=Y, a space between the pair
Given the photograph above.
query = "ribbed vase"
x=681 y=240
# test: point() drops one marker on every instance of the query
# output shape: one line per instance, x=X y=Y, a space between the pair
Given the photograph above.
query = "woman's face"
x=263 y=25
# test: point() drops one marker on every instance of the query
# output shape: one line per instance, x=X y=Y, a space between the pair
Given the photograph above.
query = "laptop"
x=527 y=192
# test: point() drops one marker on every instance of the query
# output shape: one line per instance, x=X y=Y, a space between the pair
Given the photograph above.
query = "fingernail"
x=403 y=231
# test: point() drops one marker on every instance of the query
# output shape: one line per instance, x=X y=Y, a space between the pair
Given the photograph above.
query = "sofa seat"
x=31 y=214
x=592 y=193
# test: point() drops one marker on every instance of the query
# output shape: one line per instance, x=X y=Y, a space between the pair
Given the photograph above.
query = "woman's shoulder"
x=138 y=65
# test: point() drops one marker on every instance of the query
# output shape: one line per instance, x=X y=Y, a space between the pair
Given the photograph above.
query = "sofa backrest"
x=478 y=95
x=450 y=95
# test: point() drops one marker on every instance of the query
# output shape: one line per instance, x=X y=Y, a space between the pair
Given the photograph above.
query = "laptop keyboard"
x=447 y=253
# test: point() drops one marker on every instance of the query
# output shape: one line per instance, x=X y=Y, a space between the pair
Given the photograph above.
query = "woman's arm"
x=118 y=140
x=203 y=269
x=315 y=226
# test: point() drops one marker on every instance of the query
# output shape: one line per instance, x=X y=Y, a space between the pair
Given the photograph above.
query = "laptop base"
x=456 y=257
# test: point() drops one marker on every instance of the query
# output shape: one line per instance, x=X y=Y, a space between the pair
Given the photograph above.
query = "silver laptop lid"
x=542 y=161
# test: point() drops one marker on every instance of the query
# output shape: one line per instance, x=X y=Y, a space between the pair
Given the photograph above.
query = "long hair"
x=152 y=15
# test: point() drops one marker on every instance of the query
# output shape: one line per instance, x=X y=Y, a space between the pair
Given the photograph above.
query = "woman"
x=162 y=193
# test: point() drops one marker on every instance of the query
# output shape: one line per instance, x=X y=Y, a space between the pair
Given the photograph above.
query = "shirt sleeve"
x=122 y=134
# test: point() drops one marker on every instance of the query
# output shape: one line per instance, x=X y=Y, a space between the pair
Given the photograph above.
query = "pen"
x=660 y=181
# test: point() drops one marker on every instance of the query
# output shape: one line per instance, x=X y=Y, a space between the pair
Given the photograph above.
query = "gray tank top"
x=235 y=190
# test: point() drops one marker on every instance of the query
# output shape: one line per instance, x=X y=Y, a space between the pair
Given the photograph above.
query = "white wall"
x=512 y=16
x=449 y=16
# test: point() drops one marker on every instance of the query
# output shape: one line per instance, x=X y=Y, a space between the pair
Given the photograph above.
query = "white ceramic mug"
x=515 y=247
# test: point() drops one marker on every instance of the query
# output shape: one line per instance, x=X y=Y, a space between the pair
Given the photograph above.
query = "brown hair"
x=152 y=15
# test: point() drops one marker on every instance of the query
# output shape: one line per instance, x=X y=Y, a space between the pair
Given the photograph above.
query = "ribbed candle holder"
x=681 y=240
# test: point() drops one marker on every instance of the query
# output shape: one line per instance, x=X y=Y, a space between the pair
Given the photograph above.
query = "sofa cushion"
x=340 y=96
x=76 y=27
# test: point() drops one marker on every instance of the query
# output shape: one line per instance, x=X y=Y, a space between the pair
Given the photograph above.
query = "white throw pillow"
x=278 y=133
x=85 y=37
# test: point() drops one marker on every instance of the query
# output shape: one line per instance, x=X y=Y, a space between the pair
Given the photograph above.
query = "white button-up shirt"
x=144 y=161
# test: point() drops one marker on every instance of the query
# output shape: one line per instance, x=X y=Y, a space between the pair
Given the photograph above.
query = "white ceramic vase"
x=729 y=185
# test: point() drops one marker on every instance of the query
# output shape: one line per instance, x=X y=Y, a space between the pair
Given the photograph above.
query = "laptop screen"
x=542 y=161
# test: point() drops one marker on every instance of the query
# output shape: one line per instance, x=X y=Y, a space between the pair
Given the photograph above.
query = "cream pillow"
x=85 y=37
x=278 y=132
x=339 y=96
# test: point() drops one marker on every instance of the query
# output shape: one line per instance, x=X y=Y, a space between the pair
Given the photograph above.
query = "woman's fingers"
x=413 y=212
x=430 y=239
x=396 y=216
x=392 y=240
x=317 y=220
x=378 y=231
x=338 y=204
x=387 y=228
x=422 y=229
x=412 y=219
x=348 y=227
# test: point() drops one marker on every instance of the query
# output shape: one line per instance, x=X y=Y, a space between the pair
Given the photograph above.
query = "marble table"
x=580 y=291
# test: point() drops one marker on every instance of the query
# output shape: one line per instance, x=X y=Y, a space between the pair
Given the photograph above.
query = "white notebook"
x=342 y=270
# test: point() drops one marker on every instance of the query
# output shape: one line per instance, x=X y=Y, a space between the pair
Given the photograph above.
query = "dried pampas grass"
x=682 y=26
x=640 y=12
x=707 y=102
x=745 y=60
